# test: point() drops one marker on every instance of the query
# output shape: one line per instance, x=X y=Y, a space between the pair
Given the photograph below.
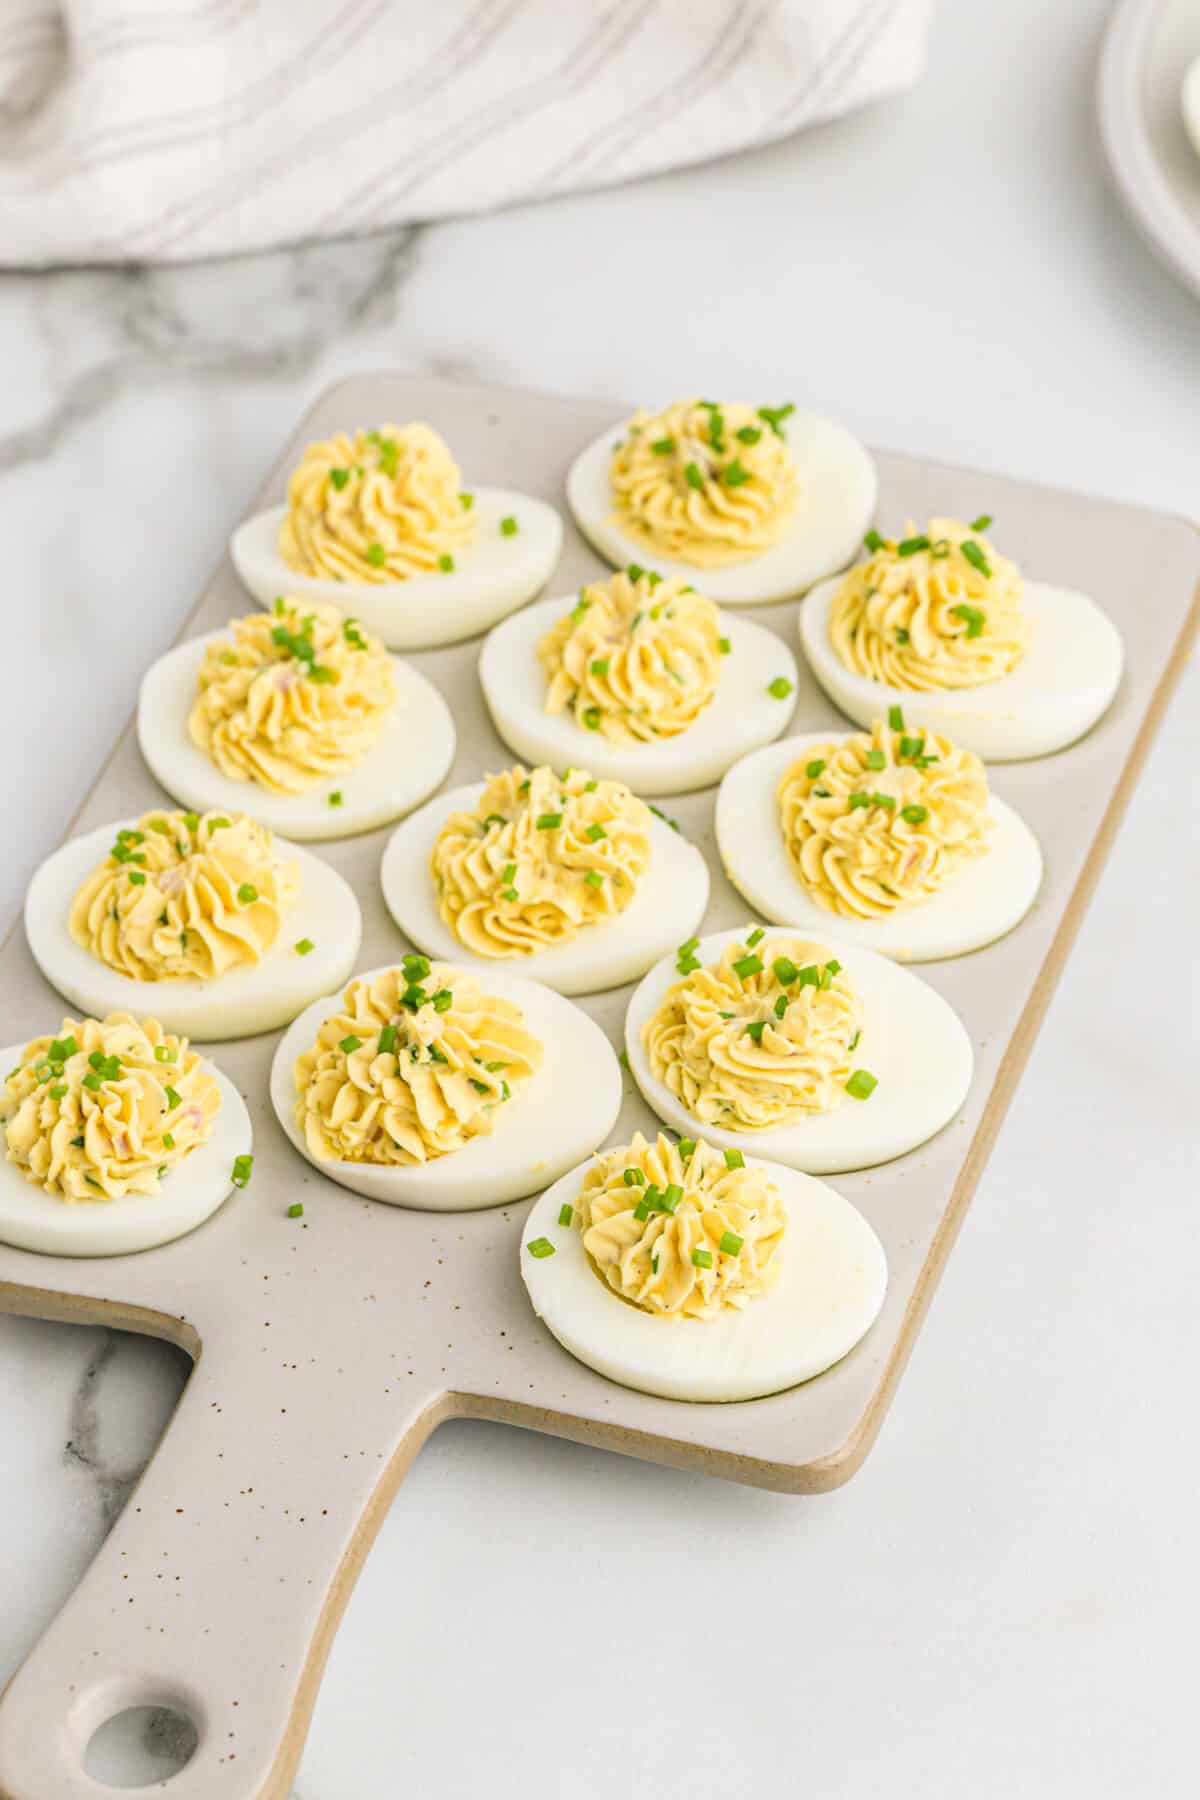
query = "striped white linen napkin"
x=162 y=130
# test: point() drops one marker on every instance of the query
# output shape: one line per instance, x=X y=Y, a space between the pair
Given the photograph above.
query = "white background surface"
x=1000 y=1603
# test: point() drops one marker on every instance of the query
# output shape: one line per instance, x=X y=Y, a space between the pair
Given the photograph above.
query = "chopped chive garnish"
x=971 y=617
x=745 y=966
x=594 y=833
x=548 y=821
x=873 y=542
x=634 y=1178
x=902 y=635
x=875 y=759
x=809 y=976
x=540 y=1247
x=387 y=1039
x=693 y=475
x=663 y=446
x=445 y=562
x=339 y=478
x=910 y=546
x=443 y=1000
x=756 y=937
x=61 y=1049
x=594 y=878
x=780 y=688
x=775 y=415
x=982 y=522
x=672 y=1195
x=735 y=474
x=137 y=878
x=896 y=718
x=734 y=1159
x=724 y=645
x=686 y=1147
x=911 y=746
x=163 y=1053
x=508 y=893
x=861 y=1085
x=781 y=1006
x=415 y=966
x=296 y=1210
x=589 y=787
x=376 y=555
x=591 y=718
x=192 y=821
x=702 y=1258
x=854 y=801
x=914 y=814
x=731 y=1243
x=756 y=1030
x=599 y=665
x=247 y=893
x=335 y=799
x=510 y=874
x=350 y=1044
x=749 y=434
x=58 y=1091
x=815 y=767
x=784 y=970
x=975 y=557
x=642 y=1210
x=173 y=1099
x=168 y=1141
x=77 y=1143
x=635 y=572
x=885 y=800
x=242 y=1166
x=303 y=946
x=853 y=1044
x=508 y=527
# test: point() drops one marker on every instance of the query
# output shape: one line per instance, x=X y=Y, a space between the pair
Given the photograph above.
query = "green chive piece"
x=784 y=970
x=873 y=542
x=296 y=1210
x=686 y=1147
x=591 y=718
x=854 y=801
x=861 y=1085
x=745 y=966
x=702 y=1259
x=247 y=893
x=911 y=746
x=780 y=688
x=781 y=1006
x=885 y=800
x=693 y=475
x=663 y=446
x=634 y=1178
x=594 y=833
x=914 y=814
x=756 y=1030
x=756 y=937
x=339 y=478
x=735 y=474
x=445 y=563
x=548 y=821
x=971 y=617
x=749 y=434
x=242 y=1166
x=168 y=1141
x=902 y=636
x=137 y=878
x=566 y=1213
x=415 y=966
x=775 y=415
x=975 y=557
x=642 y=1210
x=508 y=893
x=58 y=1091
x=509 y=527
x=910 y=546
x=350 y=1044
x=671 y=1197
x=731 y=1243
x=896 y=718
x=809 y=976
x=734 y=1159
x=599 y=665
x=982 y=522
x=303 y=946
x=61 y=1049
x=725 y=647
x=540 y=1247
x=387 y=1039
x=376 y=555
x=875 y=759
x=466 y=501
x=594 y=878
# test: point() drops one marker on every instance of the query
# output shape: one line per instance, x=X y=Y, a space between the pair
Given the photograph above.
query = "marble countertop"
x=994 y=1605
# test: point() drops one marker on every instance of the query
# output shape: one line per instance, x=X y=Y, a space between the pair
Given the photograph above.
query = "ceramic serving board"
x=328 y=1348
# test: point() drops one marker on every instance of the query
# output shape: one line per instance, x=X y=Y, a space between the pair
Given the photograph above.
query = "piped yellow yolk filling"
x=884 y=819
x=681 y=1230
x=636 y=659
x=377 y=506
x=934 y=609
x=540 y=858
x=762 y=1038
x=705 y=484
x=185 y=896
x=106 y=1108
x=414 y=1065
x=291 y=697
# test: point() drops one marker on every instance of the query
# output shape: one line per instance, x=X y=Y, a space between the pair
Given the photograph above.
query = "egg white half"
x=406 y=763
x=913 y=1042
x=827 y=1296
x=991 y=895
x=559 y=1115
x=1064 y=683
x=668 y=907
x=492 y=576
x=31 y=1219
x=240 y=1003
x=838 y=489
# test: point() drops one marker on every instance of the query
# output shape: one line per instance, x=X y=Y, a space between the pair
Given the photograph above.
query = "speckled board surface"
x=328 y=1348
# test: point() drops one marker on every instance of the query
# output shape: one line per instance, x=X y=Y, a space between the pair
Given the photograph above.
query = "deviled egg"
x=938 y=621
x=299 y=716
x=569 y=875
x=117 y=1137
x=822 y=1057
x=890 y=837
x=426 y=1087
x=220 y=928
x=759 y=501
x=380 y=525
x=697 y=1274
x=639 y=677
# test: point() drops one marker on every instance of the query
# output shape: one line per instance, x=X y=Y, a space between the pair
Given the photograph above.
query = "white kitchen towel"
x=161 y=130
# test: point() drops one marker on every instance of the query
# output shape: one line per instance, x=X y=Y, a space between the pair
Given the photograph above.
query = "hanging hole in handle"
x=141 y=1746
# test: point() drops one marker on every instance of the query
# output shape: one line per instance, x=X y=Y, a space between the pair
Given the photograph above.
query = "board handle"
x=218 y=1591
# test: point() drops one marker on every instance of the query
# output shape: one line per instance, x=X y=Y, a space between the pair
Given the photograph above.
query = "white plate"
x=494 y=574
x=1148 y=48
